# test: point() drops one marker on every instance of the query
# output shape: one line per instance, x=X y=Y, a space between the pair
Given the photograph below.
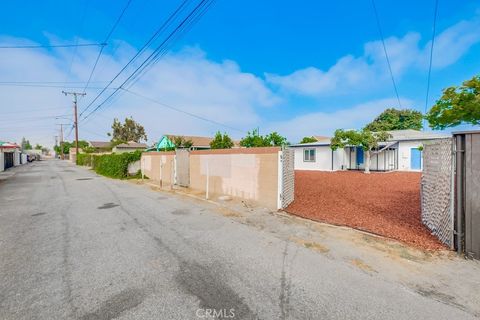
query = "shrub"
x=84 y=159
x=115 y=165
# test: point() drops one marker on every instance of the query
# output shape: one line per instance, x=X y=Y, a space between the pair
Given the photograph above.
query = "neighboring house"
x=166 y=142
x=10 y=155
x=101 y=146
x=129 y=147
x=401 y=152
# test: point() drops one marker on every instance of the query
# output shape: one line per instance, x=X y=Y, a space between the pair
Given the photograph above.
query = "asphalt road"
x=74 y=245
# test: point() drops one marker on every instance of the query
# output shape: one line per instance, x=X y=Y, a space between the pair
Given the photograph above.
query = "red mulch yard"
x=387 y=204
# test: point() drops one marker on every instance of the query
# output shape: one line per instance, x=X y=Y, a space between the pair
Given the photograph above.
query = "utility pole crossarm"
x=75 y=95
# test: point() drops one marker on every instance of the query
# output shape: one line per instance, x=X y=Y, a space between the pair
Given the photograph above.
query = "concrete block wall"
x=159 y=167
x=250 y=174
x=253 y=174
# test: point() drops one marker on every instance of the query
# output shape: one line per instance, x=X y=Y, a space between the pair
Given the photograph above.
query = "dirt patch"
x=362 y=265
x=311 y=245
x=387 y=204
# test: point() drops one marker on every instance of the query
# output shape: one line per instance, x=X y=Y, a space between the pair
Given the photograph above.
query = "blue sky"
x=300 y=68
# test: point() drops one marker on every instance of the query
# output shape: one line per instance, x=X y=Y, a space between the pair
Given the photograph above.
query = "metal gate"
x=287 y=191
x=467 y=188
x=8 y=159
x=182 y=167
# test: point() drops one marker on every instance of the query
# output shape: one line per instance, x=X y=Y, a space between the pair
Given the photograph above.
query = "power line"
x=107 y=38
x=82 y=21
x=48 y=82
x=46 y=86
x=41 y=46
x=182 y=111
x=153 y=56
x=385 y=51
x=184 y=29
x=431 y=56
x=144 y=47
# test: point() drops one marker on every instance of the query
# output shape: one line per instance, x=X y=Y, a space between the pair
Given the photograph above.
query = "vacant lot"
x=383 y=203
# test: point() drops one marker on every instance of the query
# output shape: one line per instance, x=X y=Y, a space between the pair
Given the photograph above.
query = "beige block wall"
x=250 y=174
x=159 y=167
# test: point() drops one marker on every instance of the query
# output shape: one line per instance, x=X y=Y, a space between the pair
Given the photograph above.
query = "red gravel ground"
x=387 y=204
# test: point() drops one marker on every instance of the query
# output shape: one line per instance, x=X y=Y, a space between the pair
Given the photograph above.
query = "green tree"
x=26 y=144
x=130 y=130
x=308 y=140
x=394 y=119
x=456 y=106
x=254 y=139
x=38 y=147
x=221 y=141
x=65 y=145
x=274 y=139
x=365 y=139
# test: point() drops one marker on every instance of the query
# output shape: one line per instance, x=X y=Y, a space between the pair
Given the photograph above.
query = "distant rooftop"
x=100 y=144
x=135 y=145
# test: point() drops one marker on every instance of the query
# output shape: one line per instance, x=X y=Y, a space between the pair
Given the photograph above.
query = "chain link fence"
x=436 y=189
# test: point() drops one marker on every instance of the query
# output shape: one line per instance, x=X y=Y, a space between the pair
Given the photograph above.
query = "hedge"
x=110 y=165
x=85 y=159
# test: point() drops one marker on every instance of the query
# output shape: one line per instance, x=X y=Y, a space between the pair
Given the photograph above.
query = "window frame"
x=310 y=158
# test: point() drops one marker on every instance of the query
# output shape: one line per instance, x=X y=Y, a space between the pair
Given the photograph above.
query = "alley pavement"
x=74 y=245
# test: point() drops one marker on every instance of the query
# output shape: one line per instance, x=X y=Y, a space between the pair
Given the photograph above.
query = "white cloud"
x=187 y=80
x=325 y=123
x=370 y=69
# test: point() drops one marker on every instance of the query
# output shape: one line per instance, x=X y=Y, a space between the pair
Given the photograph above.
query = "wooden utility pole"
x=75 y=95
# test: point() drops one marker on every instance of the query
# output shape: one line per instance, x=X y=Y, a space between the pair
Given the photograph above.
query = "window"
x=309 y=155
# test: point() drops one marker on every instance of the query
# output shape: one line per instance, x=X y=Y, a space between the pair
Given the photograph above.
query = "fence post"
x=160 y=178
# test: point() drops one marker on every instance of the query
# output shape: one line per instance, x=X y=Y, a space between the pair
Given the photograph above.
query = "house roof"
x=397 y=135
x=6 y=145
x=410 y=134
x=132 y=145
x=321 y=138
x=100 y=144
x=196 y=140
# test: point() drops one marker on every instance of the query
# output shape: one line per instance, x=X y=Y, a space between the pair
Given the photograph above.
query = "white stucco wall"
x=323 y=159
x=404 y=154
x=16 y=158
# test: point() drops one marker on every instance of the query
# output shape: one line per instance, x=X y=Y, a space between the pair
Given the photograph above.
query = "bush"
x=115 y=165
x=84 y=159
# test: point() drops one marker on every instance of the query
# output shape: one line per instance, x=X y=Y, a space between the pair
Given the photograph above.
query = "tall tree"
x=456 y=106
x=254 y=139
x=308 y=140
x=130 y=130
x=26 y=144
x=365 y=139
x=221 y=141
x=275 y=139
x=394 y=119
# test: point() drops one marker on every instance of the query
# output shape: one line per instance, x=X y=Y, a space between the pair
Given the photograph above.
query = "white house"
x=401 y=152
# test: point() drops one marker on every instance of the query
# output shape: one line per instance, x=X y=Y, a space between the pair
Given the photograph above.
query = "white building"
x=9 y=155
x=401 y=152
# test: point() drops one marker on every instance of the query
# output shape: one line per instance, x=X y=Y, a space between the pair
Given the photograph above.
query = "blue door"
x=415 y=159
x=359 y=152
